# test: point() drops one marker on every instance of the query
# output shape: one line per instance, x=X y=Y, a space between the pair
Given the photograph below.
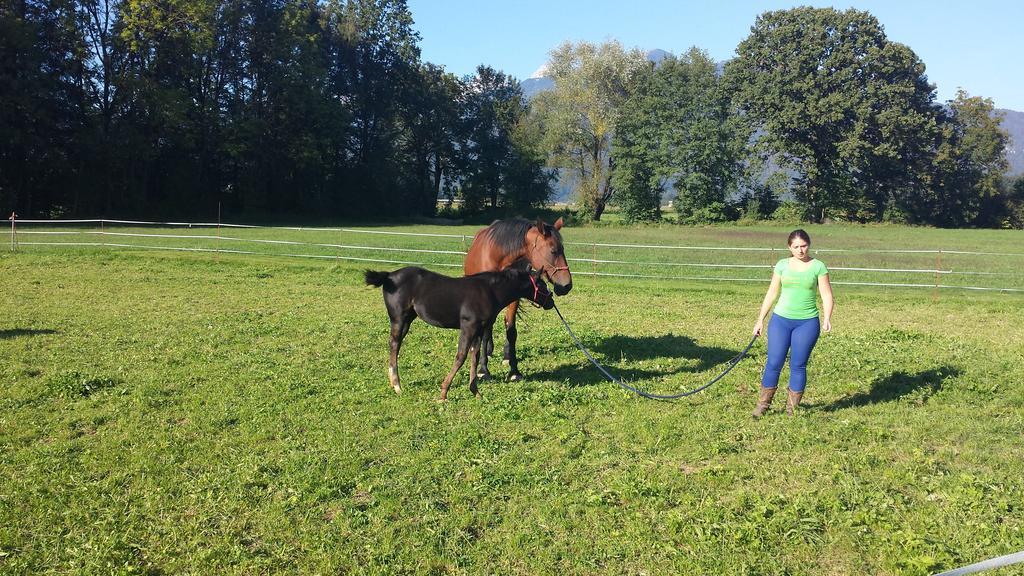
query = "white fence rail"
x=635 y=265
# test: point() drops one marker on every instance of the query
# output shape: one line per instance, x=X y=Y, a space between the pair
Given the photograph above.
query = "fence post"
x=593 y=263
x=14 y=232
x=218 y=241
x=938 y=266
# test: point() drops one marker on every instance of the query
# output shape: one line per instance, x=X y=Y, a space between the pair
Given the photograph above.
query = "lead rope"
x=989 y=564
x=732 y=364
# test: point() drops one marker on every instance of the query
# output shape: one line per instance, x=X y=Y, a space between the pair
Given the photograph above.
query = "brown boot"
x=764 y=400
x=793 y=401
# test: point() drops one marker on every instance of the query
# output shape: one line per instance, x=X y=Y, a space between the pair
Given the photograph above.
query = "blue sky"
x=963 y=44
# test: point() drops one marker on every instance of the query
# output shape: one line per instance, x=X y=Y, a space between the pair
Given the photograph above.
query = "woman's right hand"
x=758 y=327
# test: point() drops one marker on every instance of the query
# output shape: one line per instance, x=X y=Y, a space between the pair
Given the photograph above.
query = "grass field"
x=215 y=413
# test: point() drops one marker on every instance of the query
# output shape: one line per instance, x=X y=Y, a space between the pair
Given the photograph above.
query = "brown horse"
x=517 y=242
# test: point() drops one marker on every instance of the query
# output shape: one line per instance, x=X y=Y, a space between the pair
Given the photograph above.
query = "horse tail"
x=374 y=278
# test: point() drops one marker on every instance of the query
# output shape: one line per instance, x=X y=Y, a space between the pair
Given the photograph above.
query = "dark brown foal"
x=470 y=304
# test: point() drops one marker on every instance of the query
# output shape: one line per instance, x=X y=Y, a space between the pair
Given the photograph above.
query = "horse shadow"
x=17 y=332
x=577 y=376
x=662 y=346
x=631 y=348
x=896 y=386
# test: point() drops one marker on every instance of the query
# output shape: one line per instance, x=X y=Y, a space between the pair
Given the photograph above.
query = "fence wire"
x=936 y=268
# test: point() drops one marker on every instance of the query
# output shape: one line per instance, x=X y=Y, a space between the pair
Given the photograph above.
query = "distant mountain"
x=533 y=86
x=657 y=55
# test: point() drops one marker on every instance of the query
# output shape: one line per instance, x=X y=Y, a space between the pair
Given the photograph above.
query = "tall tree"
x=963 y=186
x=682 y=123
x=432 y=135
x=167 y=44
x=592 y=82
x=42 y=104
x=983 y=145
x=1015 y=204
x=377 y=61
x=527 y=181
x=834 y=100
x=635 y=146
x=104 y=65
x=502 y=165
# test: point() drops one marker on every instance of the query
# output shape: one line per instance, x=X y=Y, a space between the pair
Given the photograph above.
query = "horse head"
x=545 y=252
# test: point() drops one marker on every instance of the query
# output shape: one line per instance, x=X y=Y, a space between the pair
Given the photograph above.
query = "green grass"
x=198 y=413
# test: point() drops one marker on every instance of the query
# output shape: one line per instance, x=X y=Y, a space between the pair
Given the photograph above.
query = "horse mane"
x=509 y=235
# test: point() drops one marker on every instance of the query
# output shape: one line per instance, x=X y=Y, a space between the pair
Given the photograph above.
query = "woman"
x=794 y=325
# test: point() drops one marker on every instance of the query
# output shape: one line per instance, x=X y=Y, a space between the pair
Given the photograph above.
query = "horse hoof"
x=483 y=376
x=398 y=389
x=515 y=377
x=504 y=362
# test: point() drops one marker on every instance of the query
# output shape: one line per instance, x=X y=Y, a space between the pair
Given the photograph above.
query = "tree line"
x=324 y=108
x=181 y=107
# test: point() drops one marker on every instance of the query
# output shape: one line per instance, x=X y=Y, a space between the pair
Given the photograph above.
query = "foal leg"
x=474 y=352
x=399 y=329
x=460 y=357
x=510 y=342
x=486 y=349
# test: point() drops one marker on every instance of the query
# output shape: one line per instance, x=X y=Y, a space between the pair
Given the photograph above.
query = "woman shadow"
x=895 y=386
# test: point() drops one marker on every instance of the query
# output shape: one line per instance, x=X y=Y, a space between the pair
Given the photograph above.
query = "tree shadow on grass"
x=16 y=332
x=897 y=385
x=609 y=350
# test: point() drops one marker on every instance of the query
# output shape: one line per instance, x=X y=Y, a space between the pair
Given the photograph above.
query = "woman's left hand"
x=826 y=325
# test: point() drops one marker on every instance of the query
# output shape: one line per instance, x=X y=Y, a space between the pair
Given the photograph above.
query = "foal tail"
x=379 y=279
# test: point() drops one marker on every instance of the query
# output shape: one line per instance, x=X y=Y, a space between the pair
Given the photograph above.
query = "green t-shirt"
x=799 y=299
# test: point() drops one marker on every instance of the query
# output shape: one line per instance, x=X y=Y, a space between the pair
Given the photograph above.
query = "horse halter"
x=536 y=292
x=552 y=270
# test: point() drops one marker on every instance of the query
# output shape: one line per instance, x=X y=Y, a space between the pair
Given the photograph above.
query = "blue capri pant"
x=797 y=337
